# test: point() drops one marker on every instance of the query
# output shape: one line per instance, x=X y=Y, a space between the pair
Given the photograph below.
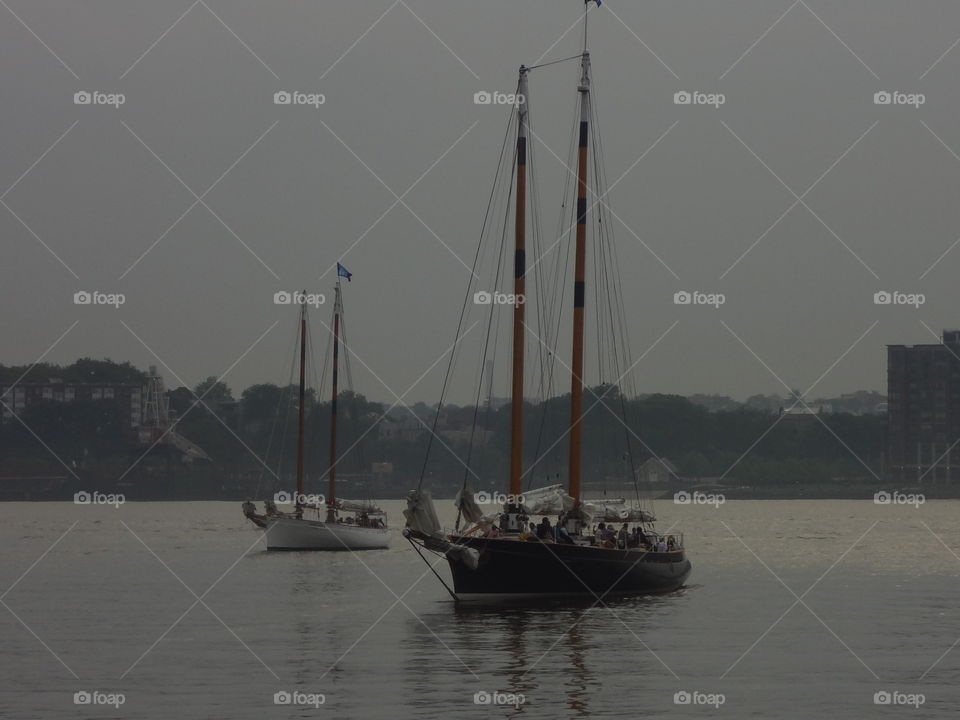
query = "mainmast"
x=303 y=362
x=579 y=293
x=332 y=470
x=519 y=288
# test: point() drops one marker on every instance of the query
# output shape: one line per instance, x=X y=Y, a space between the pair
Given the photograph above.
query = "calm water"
x=377 y=635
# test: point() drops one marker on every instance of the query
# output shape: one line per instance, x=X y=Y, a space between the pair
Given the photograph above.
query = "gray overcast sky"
x=399 y=80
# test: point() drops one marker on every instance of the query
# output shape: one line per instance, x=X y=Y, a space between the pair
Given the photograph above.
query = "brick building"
x=923 y=404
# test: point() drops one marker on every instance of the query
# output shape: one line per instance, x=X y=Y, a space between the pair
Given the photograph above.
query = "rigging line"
x=554 y=296
x=616 y=302
x=554 y=62
x=273 y=425
x=463 y=310
x=442 y=582
x=352 y=416
x=486 y=344
x=491 y=316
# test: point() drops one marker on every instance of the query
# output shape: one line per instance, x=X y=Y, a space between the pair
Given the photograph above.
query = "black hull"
x=515 y=568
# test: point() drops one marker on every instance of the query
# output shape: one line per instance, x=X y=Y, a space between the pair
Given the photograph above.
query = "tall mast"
x=519 y=288
x=303 y=361
x=332 y=471
x=579 y=293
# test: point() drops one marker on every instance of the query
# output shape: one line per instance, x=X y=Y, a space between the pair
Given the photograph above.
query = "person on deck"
x=642 y=539
x=622 y=537
x=545 y=530
x=598 y=535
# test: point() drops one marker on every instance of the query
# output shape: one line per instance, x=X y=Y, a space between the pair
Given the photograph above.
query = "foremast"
x=515 y=517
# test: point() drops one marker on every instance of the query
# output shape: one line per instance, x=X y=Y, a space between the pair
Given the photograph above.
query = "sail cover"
x=360 y=506
x=601 y=510
x=552 y=500
x=466 y=503
x=421 y=515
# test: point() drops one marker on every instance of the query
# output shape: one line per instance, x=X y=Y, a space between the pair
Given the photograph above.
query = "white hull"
x=293 y=534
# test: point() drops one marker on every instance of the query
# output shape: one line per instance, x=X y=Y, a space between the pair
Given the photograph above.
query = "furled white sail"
x=550 y=500
x=421 y=515
x=466 y=503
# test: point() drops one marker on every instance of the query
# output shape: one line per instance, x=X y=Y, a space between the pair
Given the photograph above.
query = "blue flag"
x=343 y=272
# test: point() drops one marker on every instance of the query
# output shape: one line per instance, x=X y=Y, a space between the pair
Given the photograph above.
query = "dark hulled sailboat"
x=503 y=555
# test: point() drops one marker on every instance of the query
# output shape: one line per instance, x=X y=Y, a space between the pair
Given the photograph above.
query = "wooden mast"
x=579 y=293
x=519 y=288
x=332 y=470
x=300 y=412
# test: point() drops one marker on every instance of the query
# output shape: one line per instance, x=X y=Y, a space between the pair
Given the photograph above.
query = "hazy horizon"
x=97 y=197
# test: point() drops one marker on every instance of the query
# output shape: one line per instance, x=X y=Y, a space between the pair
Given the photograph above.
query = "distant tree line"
x=252 y=439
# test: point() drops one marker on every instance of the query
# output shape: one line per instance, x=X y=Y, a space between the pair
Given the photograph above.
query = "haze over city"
x=798 y=198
